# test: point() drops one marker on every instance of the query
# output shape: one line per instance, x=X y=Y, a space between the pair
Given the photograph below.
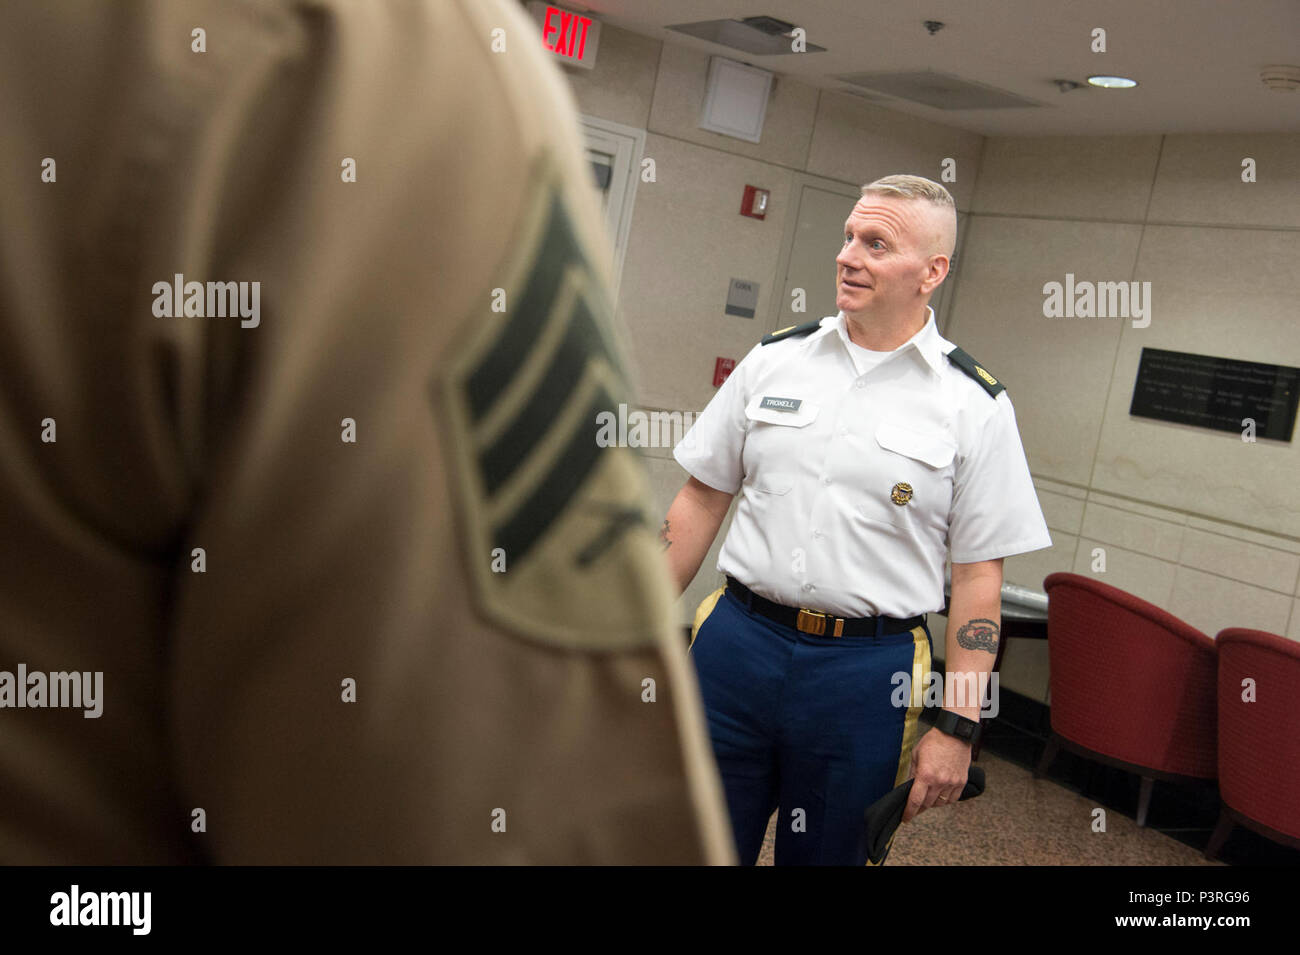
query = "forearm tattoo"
x=663 y=536
x=978 y=634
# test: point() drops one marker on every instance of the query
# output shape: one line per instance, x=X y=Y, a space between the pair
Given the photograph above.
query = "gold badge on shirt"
x=901 y=493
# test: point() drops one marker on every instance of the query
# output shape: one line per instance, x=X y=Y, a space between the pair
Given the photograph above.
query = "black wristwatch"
x=956 y=725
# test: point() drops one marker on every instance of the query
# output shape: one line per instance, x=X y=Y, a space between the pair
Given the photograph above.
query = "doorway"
x=614 y=153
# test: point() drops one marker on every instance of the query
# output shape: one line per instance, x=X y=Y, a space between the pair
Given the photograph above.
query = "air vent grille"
x=746 y=37
x=940 y=90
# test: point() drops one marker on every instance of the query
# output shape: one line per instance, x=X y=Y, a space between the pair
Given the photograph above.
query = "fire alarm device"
x=754 y=204
x=722 y=367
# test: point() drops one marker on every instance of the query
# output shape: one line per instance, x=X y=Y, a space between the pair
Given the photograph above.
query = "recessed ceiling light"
x=1112 y=82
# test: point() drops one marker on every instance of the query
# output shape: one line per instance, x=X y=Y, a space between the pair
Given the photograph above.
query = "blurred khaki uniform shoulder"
x=392 y=474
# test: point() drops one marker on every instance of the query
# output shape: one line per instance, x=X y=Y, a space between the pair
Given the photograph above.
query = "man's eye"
x=848 y=239
x=877 y=243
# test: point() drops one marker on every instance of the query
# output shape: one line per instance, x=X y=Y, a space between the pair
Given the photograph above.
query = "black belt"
x=818 y=623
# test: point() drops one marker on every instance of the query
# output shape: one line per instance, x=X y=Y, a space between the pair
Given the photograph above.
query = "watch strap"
x=954 y=724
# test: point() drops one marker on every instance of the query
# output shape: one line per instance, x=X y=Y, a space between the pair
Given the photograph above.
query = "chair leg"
x=1220 y=834
x=1049 y=754
x=1144 y=800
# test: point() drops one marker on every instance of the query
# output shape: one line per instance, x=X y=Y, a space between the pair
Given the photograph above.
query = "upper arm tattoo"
x=663 y=535
x=978 y=634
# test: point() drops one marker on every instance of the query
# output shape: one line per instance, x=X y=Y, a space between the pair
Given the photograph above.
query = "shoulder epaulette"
x=971 y=367
x=794 y=331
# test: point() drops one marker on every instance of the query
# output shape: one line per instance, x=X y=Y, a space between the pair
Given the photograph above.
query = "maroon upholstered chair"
x=1132 y=686
x=1259 y=741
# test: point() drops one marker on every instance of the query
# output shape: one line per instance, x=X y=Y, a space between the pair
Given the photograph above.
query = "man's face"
x=884 y=267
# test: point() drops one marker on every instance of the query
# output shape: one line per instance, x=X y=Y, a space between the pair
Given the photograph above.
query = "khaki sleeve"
x=433 y=622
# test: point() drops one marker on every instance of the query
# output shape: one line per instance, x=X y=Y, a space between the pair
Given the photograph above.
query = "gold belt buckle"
x=814 y=622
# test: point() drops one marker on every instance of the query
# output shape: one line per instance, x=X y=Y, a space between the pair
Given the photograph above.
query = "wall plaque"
x=1216 y=393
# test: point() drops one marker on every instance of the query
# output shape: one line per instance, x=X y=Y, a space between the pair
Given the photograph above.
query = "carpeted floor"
x=1020 y=820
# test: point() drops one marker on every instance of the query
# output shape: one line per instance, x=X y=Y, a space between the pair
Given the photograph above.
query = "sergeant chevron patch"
x=558 y=542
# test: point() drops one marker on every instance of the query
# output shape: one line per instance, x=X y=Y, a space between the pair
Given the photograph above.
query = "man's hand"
x=940 y=764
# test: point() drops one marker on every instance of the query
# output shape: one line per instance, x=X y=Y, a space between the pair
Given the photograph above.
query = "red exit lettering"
x=570 y=35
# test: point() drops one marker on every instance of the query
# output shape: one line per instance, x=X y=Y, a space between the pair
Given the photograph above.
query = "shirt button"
x=808 y=588
x=844 y=432
x=861 y=383
x=826 y=480
x=818 y=535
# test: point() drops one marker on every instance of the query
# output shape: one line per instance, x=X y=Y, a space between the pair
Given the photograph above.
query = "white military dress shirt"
x=859 y=472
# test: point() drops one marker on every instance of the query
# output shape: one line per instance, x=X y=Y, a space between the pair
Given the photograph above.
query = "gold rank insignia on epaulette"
x=973 y=368
x=793 y=331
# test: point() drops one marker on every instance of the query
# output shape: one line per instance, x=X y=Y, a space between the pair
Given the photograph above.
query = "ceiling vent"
x=760 y=36
x=769 y=25
x=939 y=90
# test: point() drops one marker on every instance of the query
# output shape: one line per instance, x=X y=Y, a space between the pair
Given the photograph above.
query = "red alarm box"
x=721 y=369
x=754 y=204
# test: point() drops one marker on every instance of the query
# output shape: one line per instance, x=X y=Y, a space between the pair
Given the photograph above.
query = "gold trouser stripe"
x=703 y=610
x=912 y=722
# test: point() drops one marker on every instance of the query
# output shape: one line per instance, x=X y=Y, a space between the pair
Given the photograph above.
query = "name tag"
x=781 y=404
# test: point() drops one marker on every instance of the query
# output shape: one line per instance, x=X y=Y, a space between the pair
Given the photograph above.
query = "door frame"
x=801 y=181
x=627 y=145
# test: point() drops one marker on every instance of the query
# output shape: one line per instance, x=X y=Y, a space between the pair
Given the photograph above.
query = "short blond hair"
x=910 y=187
x=925 y=190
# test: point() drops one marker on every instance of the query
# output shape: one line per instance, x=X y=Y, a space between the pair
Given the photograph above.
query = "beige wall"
x=1196 y=521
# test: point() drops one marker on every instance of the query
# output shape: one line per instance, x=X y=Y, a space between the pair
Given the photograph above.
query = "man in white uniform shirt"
x=866 y=449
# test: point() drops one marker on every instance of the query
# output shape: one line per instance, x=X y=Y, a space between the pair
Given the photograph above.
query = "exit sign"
x=572 y=37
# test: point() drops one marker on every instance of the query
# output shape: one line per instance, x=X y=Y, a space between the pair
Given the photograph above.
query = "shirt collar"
x=927 y=342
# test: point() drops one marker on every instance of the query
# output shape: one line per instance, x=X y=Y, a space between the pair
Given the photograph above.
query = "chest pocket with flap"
x=923 y=462
x=776 y=440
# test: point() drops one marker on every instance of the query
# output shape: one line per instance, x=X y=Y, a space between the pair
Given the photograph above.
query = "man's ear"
x=938 y=271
